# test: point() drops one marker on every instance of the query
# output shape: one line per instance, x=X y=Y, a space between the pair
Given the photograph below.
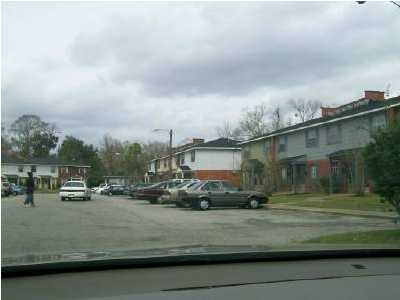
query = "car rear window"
x=74 y=184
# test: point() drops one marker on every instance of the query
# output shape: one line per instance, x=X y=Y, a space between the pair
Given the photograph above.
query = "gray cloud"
x=125 y=69
x=237 y=49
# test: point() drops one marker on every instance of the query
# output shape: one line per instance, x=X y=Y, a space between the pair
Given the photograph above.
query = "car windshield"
x=74 y=184
x=136 y=129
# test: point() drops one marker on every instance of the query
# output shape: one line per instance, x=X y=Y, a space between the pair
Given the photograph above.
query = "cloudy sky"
x=127 y=68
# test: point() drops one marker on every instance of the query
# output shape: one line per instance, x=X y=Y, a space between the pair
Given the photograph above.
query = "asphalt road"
x=120 y=223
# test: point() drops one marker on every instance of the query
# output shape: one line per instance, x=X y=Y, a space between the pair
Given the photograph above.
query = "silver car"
x=170 y=195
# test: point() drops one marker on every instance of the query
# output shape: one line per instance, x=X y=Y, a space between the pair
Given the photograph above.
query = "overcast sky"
x=127 y=68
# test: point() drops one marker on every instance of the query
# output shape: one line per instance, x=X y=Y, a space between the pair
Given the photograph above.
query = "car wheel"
x=153 y=201
x=159 y=200
x=254 y=203
x=203 y=204
x=62 y=198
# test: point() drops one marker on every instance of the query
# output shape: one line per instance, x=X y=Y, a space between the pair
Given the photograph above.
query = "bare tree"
x=253 y=122
x=277 y=121
x=228 y=131
x=305 y=109
x=111 y=151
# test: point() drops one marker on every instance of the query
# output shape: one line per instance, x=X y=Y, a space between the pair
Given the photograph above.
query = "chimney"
x=374 y=95
x=327 y=111
x=197 y=141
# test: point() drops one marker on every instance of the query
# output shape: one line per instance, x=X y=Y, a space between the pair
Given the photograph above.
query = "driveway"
x=120 y=223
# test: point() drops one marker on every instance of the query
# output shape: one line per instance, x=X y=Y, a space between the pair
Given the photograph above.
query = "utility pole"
x=170 y=153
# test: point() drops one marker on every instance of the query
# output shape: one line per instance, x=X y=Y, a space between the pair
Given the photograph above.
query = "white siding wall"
x=41 y=170
x=152 y=167
x=214 y=160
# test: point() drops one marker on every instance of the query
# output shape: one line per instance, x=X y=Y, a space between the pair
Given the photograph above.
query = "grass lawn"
x=390 y=236
x=338 y=201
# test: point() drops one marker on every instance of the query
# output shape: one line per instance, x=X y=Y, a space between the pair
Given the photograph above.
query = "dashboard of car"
x=341 y=278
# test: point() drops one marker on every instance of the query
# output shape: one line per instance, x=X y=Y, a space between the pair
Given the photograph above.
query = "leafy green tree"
x=75 y=150
x=382 y=158
x=33 y=137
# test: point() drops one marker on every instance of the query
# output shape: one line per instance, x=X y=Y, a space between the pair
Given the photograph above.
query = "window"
x=284 y=174
x=246 y=152
x=52 y=169
x=211 y=186
x=282 y=144
x=267 y=147
x=333 y=134
x=165 y=162
x=335 y=167
x=226 y=186
x=192 y=155
x=20 y=169
x=74 y=184
x=314 y=172
x=312 y=138
x=33 y=168
x=182 y=158
x=378 y=122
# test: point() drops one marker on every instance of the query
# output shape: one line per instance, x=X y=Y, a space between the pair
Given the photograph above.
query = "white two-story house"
x=217 y=159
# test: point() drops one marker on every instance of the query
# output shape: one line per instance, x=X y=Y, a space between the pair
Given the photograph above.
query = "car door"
x=213 y=191
x=231 y=195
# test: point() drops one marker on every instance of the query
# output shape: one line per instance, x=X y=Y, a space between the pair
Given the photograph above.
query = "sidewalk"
x=349 y=212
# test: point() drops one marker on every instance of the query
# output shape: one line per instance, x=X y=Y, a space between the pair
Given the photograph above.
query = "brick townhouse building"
x=48 y=173
x=300 y=157
x=215 y=159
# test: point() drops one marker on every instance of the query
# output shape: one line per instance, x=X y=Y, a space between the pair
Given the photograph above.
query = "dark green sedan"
x=220 y=193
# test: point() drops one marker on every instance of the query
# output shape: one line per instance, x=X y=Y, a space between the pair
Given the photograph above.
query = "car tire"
x=254 y=203
x=203 y=204
x=62 y=198
x=153 y=201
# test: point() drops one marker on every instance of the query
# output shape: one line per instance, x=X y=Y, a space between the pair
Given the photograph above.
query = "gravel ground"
x=120 y=223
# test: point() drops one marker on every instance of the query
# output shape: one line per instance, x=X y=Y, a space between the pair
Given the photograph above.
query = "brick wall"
x=313 y=185
x=231 y=176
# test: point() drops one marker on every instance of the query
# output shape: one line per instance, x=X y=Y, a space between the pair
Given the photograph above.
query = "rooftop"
x=55 y=161
x=371 y=106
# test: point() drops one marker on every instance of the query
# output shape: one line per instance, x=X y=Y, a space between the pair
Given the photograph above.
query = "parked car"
x=114 y=189
x=213 y=193
x=17 y=189
x=170 y=195
x=153 y=192
x=5 y=188
x=101 y=187
x=74 y=189
x=137 y=186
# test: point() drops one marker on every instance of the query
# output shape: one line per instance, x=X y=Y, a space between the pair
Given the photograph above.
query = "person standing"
x=30 y=185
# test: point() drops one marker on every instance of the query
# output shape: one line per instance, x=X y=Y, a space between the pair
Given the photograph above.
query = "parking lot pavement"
x=120 y=223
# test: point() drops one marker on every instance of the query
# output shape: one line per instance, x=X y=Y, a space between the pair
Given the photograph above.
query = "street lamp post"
x=170 y=131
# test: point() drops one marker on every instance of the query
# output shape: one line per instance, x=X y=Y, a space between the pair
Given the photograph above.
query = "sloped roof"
x=42 y=161
x=365 y=108
x=219 y=143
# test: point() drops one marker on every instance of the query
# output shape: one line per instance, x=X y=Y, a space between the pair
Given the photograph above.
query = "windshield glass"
x=192 y=127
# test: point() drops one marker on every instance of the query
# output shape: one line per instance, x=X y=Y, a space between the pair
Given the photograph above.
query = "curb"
x=347 y=213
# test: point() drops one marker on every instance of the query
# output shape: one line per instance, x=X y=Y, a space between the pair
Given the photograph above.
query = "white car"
x=101 y=187
x=74 y=189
